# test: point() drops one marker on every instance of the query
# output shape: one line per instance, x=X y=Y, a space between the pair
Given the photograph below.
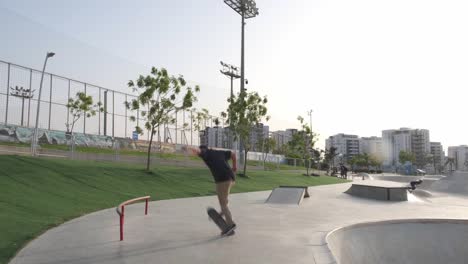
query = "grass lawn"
x=38 y=193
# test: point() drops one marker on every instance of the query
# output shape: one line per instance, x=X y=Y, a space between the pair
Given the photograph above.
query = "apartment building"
x=415 y=141
x=347 y=146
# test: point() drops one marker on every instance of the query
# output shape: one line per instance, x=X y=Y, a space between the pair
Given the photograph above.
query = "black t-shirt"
x=217 y=162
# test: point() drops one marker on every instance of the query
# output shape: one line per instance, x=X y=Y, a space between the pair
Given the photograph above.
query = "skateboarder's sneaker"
x=229 y=231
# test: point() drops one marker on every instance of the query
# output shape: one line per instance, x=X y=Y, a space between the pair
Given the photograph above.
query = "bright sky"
x=362 y=66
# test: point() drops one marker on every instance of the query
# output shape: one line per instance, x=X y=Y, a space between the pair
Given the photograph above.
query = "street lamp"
x=247 y=9
x=230 y=71
x=35 y=136
x=310 y=115
x=23 y=94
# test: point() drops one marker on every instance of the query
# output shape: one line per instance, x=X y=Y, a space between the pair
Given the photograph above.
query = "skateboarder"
x=224 y=176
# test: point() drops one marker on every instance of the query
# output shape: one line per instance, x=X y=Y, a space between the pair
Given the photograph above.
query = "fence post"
x=126 y=115
x=30 y=89
x=99 y=113
x=84 y=116
x=7 y=94
x=116 y=145
x=138 y=118
x=68 y=98
x=191 y=127
x=182 y=135
x=113 y=114
x=105 y=112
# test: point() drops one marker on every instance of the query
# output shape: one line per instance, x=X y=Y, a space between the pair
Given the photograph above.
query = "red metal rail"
x=121 y=211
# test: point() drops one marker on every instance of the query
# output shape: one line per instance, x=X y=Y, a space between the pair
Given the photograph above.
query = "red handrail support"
x=121 y=210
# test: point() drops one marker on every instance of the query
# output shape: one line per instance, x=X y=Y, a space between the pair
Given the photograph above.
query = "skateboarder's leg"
x=223 y=189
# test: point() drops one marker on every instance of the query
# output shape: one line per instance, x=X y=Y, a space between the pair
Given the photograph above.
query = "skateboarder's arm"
x=234 y=161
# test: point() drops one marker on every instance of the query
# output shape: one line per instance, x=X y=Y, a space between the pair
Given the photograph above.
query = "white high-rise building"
x=460 y=154
x=347 y=146
x=415 y=141
x=257 y=134
x=439 y=154
x=219 y=137
x=282 y=137
x=372 y=146
x=213 y=137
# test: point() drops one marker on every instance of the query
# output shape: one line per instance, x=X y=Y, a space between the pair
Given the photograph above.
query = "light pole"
x=35 y=136
x=23 y=94
x=230 y=71
x=247 y=9
x=310 y=115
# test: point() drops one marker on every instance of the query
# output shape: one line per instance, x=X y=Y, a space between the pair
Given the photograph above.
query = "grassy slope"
x=36 y=194
x=130 y=152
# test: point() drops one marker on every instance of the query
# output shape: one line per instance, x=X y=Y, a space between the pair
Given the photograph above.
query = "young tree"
x=365 y=160
x=375 y=162
x=200 y=118
x=405 y=156
x=354 y=161
x=266 y=145
x=329 y=156
x=160 y=95
x=317 y=157
x=281 y=150
x=306 y=141
x=245 y=112
x=81 y=105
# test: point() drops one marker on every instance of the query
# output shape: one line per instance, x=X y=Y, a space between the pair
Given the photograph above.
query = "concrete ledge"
x=384 y=191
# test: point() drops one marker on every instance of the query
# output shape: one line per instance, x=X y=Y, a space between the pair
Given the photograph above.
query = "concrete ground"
x=178 y=231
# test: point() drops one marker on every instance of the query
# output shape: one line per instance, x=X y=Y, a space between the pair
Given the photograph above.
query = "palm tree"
x=450 y=162
x=431 y=159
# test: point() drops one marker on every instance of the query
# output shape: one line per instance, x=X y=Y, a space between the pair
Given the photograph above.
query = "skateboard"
x=218 y=219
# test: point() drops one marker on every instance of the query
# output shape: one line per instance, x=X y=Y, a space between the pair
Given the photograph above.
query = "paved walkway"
x=178 y=231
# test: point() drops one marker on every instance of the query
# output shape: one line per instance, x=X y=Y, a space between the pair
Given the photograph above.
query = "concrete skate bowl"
x=453 y=184
x=427 y=180
x=415 y=241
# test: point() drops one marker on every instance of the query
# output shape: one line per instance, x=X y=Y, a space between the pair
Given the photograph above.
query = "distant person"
x=224 y=177
x=342 y=172
x=345 y=172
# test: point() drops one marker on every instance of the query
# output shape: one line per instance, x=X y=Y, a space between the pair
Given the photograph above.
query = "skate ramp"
x=452 y=184
x=286 y=195
x=416 y=241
